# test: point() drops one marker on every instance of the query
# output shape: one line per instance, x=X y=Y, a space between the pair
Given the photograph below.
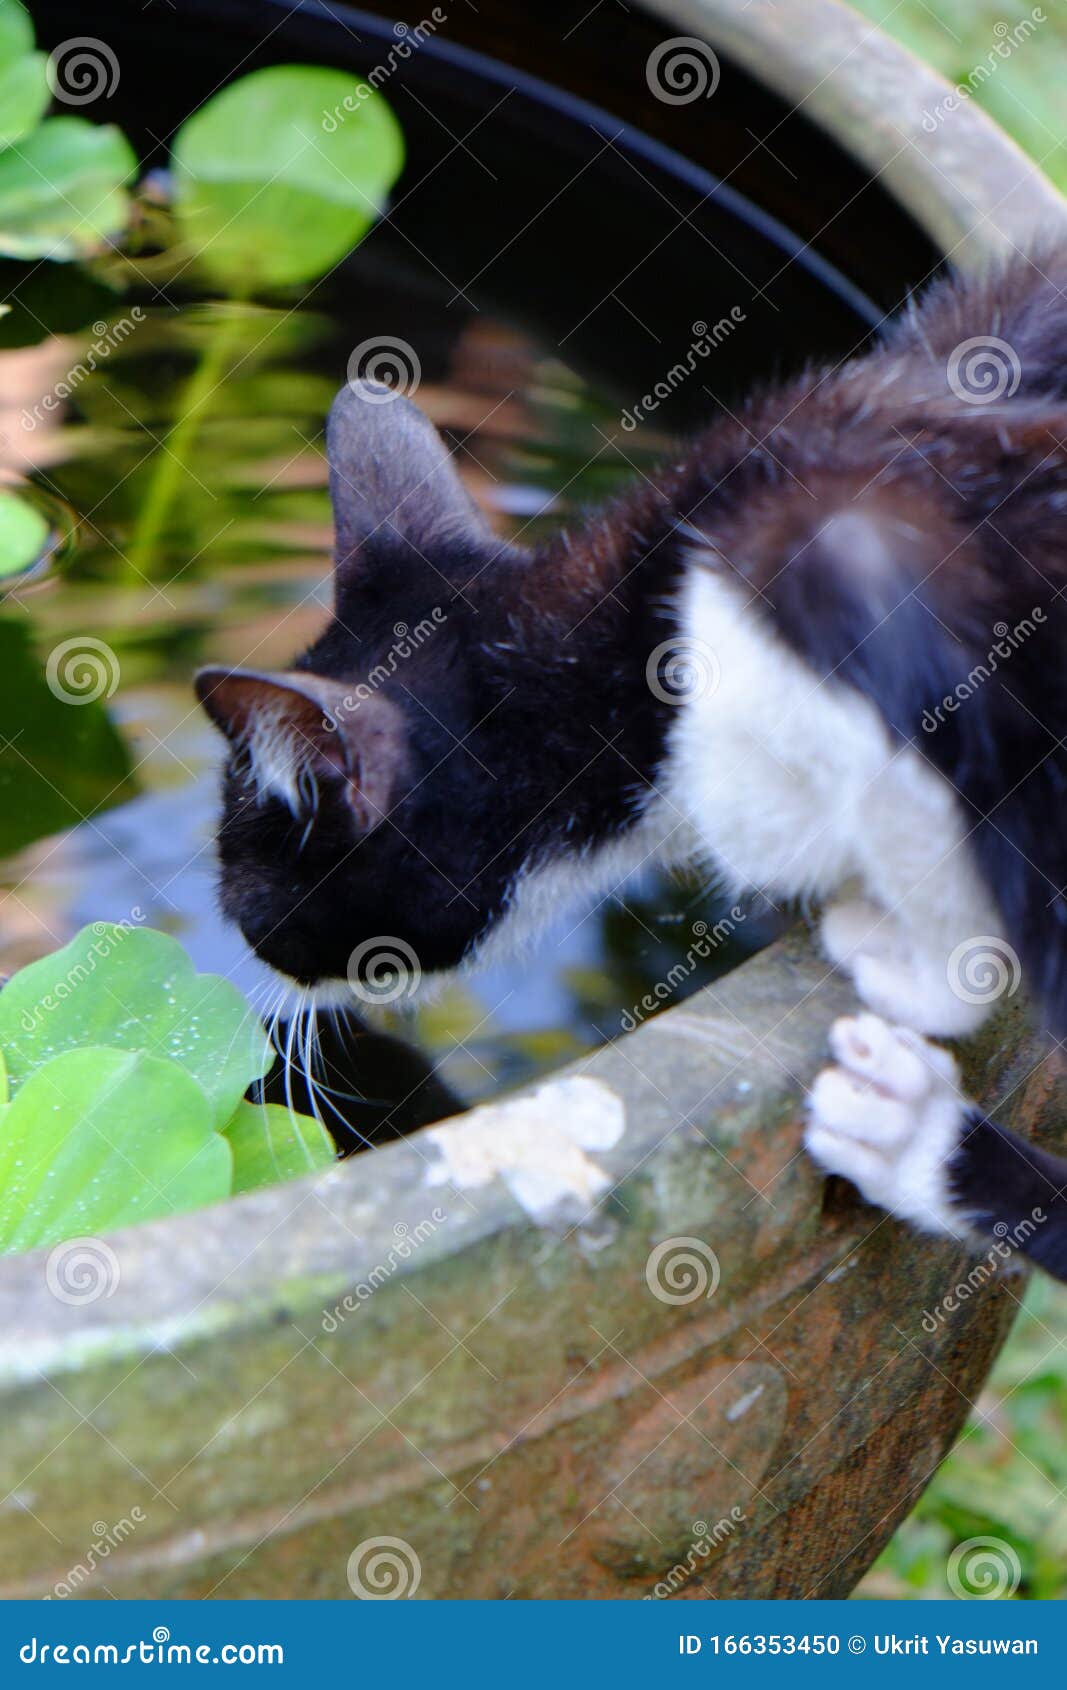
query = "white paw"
x=889 y=1117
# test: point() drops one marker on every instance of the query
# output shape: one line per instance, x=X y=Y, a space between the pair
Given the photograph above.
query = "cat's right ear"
x=392 y=474
x=297 y=727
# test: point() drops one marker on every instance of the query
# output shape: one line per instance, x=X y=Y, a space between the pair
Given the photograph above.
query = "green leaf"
x=24 y=95
x=272 y=1143
x=23 y=534
x=58 y=762
x=276 y=179
x=99 y=1138
x=61 y=189
x=16 y=31
x=135 y=990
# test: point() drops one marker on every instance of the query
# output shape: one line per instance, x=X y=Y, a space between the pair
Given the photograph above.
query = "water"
x=186 y=472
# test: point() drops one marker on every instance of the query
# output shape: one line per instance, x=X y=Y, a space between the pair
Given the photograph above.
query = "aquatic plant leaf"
x=16 y=31
x=272 y=1143
x=265 y=194
x=23 y=534
x=58 y=763
x=133 y=989
x=24 y=96
x=61 y=189
x=99 y=1138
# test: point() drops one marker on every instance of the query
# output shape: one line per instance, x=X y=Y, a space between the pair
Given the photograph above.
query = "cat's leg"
x=902 y=974
x=922 y=945
x=890 y=1117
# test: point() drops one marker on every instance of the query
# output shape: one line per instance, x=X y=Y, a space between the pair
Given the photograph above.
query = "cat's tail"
x=998 y=333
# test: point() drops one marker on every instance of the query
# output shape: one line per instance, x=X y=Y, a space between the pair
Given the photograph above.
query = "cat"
x=822 y=650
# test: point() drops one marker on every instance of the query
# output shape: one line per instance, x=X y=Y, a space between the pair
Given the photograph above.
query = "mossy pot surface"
x=611 y=1337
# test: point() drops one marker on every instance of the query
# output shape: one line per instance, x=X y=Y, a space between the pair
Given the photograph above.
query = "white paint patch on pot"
x=538 y=1146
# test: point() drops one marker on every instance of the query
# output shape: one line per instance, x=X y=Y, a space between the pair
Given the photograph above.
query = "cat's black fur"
x=523 y=730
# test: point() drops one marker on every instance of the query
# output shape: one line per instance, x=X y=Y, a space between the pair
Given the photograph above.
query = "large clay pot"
x=614 y=1337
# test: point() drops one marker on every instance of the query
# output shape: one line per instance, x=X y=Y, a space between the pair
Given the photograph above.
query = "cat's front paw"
x=889 y=1118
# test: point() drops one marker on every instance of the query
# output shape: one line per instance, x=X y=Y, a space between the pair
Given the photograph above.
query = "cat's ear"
x=391 y=472
x=299 y=728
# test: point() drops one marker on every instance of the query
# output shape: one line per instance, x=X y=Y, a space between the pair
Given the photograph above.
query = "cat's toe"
x=846 y=1104
x=882 y=1056
x=837 y=1153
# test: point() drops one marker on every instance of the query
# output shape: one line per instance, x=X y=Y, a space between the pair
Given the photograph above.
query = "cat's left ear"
x=391 y=473
x=297 y=726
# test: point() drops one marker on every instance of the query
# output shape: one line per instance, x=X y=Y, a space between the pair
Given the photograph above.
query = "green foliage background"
x=1007 y=1477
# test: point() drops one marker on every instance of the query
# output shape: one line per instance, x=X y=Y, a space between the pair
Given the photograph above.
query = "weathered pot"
x=474 y=1341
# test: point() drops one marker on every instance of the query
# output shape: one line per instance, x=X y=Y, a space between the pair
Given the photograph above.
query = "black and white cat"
x=779 y=657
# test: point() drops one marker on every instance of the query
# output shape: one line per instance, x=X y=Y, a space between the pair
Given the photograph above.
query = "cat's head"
x=353 y=795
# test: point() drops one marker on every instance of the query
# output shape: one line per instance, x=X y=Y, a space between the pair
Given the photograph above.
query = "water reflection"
x=193 y=458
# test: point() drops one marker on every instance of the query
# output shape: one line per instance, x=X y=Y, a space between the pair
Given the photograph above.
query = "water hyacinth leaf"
x=268 y=194
x=23 y=534
x=24 y=95
x=16 y=31
x=272 y=1143
x=133 y=989
x=97 y=1139
x=62 y=189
